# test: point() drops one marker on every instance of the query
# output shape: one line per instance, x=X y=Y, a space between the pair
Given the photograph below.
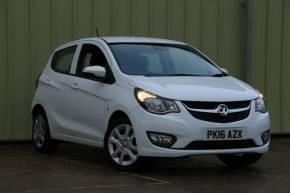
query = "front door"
x=89 y=96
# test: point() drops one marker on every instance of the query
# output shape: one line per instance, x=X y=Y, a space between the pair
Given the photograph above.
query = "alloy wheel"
x=39 y=131
x=122 y=145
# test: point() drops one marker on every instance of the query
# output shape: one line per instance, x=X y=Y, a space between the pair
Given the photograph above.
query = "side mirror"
x=97 y=71
x=224 y=70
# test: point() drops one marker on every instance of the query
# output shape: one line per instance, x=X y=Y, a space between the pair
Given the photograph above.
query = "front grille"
x=227 y=144
x=214 y=117
x=214 y=105
x=194 y=107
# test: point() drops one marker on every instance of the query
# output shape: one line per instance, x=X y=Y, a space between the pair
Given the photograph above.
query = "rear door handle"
x=75 y=86
x=46 y=81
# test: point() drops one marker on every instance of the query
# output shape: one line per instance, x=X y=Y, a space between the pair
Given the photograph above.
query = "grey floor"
x=81 y=169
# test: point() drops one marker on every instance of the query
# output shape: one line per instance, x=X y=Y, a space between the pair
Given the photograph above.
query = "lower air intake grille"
x=228 y=144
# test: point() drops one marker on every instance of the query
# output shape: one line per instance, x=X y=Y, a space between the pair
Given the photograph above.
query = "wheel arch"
x=117 y=115
x=37 y=108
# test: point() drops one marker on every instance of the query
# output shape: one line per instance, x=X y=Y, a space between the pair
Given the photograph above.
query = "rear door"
x=57 y=81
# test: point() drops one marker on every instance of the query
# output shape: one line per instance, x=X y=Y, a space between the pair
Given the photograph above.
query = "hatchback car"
x=146 y=97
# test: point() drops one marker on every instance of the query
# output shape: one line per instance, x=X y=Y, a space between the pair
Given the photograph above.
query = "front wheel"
x=120 y=145
x=239 y=160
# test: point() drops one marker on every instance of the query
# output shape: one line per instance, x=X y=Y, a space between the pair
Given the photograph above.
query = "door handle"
x=46 y=81
x=75 y=86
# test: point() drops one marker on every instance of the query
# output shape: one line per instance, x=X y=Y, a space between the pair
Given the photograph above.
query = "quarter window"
x=62 y=60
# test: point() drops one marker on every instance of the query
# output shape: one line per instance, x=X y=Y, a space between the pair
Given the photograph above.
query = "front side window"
x=162 y=60
x=62 y=60
x=90 y=55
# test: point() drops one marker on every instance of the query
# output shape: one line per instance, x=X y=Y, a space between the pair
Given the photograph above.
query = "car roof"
x=122 y=39
x=133 y=39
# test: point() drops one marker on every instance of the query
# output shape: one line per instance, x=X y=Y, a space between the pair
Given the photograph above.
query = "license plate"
x=225 y=134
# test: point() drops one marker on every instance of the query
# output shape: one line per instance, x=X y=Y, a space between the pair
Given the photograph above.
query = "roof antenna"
x=97 y=32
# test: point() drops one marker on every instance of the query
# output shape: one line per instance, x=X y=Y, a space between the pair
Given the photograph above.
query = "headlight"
x=260 y=104
x=155 y=104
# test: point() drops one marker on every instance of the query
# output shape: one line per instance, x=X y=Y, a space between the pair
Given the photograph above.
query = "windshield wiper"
x=219 y=75
x=184 y=75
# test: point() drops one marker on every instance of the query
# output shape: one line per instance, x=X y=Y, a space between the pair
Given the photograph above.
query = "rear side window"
x=62 y=60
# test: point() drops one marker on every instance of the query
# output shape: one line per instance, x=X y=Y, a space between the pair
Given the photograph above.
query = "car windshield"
x=162 y=60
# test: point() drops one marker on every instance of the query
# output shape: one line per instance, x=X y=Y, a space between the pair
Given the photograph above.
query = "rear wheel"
x=120 y=145
x=42 y=141
x=239 y=160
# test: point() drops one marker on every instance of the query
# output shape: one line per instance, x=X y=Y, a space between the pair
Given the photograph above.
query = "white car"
x=145 y=97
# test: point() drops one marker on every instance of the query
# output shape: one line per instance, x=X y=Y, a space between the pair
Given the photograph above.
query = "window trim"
x=52 y=64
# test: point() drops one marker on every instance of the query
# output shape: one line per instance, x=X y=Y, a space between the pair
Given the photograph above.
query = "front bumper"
x=186 y=129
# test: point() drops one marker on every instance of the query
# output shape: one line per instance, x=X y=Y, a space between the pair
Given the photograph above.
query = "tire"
x=121 y=147
x=242 y=160
x=42 y=141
